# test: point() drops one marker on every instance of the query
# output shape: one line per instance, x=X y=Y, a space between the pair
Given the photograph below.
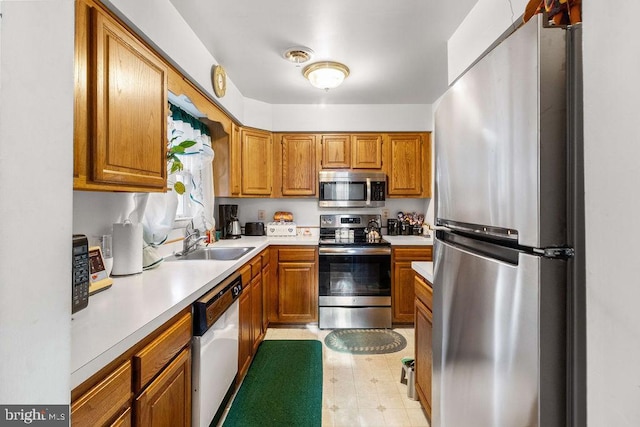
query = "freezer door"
x=498 y=340
x=500 y=140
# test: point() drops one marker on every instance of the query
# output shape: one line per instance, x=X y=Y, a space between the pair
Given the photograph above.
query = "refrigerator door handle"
x=556 y=253
x=477 y=229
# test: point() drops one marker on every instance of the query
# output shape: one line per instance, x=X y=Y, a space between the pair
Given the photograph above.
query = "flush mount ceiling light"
x=326 y=75
x=298 y=54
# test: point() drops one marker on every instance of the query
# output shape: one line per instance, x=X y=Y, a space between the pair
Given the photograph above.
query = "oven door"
x=354 y=276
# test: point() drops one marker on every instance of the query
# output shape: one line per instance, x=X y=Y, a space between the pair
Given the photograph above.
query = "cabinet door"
x=235 y=179
x=366 y=151
x=405 y=165
x=299 y=175
x=245 y=346
x=129 y=134
x=256 y=312
x=297 y=292
x=336 y=151
x=424 y=355
x=167 y=400
x=266 y=277
x=403 y=293
x=257 y=163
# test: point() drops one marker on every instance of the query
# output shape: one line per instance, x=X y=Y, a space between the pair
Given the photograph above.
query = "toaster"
x=254 y=229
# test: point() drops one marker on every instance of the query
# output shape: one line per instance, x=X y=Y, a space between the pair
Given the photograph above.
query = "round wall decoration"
x=219 y=80
x=365 y=341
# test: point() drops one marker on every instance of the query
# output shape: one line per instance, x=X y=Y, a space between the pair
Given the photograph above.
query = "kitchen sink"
x=216 y=254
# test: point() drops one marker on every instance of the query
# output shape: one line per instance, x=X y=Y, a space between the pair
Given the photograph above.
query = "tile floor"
x=362 y=390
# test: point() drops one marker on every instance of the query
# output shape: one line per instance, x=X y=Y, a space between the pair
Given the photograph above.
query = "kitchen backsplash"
x=95 y=212
x=306 y=212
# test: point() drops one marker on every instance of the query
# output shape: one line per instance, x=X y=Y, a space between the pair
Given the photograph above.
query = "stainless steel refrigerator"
x=508 y=208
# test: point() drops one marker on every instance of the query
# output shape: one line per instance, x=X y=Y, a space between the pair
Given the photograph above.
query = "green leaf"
x=179 y=187
x=187 y=144
x=177 y=149
x=175 y=167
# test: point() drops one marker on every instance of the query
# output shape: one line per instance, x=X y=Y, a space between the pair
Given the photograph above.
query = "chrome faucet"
x=191 y=239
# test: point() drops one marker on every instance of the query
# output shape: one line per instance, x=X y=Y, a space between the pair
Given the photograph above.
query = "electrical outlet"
x=385 y=213
x=261 y=214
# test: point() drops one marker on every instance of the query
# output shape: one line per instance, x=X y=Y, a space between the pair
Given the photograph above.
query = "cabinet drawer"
x=297 y=254
x=424 y=292
x=104 y=401
x=256 y=266
x=265 y=258
x=151 y=359
x=413 y=253
x=245 y=272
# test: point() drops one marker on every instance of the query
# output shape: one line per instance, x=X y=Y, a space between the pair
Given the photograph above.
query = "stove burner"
x=347 y=230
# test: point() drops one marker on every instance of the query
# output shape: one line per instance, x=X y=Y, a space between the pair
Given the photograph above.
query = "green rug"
x=365 y=341
x=283 y=386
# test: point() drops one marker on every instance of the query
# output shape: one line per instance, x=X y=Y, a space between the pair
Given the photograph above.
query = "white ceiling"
x=395 y=49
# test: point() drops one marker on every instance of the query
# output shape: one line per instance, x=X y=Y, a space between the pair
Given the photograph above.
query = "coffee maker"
x=230 y=226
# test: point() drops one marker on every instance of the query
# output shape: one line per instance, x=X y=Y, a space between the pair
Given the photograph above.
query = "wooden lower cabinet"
x=423 y=333
x=105 y=402
x=402 y=280
x=124 y=420
x=167 y=399
x=155 y=374
x=246 y=345
x=252 y=312
x=256 y=312
x=293 y=296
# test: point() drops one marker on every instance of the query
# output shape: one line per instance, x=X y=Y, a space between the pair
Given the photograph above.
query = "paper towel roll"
x=127 y=249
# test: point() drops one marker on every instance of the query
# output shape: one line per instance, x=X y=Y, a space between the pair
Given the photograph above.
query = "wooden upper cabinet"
x=409 y=165
x=236 y=160
x=336 y=151
x=122 y=145
x=256 y=162
x=366 y=151
x=352 y=151
x=298 y=164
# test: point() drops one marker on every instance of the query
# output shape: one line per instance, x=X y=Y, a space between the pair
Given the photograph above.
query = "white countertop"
x=135 y=306
x=424 y=268
x=408 y=240
x=119 y=317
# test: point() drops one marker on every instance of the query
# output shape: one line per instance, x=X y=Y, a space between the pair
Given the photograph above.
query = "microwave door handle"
x=368 y=202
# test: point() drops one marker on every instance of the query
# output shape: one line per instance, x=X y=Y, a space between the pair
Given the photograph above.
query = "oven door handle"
x=354 y=251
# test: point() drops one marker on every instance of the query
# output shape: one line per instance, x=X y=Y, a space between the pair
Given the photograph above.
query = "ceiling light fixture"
x=326 y=75
x=298 y=54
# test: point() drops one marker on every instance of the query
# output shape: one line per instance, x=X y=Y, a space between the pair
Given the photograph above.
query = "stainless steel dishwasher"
x=215 y=350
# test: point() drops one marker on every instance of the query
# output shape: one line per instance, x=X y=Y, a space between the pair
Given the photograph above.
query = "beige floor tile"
x=370 y=418
x=396 y=418
x=362 y=390
x=417 y=417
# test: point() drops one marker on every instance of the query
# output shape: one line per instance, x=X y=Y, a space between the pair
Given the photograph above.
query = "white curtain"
x=198 y=200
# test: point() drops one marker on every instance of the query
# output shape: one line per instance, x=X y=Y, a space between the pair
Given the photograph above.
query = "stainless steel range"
x=355 y=273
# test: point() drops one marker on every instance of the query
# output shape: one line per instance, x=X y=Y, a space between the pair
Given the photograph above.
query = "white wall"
x=36 y=153
x=612 y=153
x=484 y=24
x=306 y=212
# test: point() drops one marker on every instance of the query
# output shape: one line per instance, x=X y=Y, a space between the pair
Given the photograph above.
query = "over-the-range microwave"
x=347 y=189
